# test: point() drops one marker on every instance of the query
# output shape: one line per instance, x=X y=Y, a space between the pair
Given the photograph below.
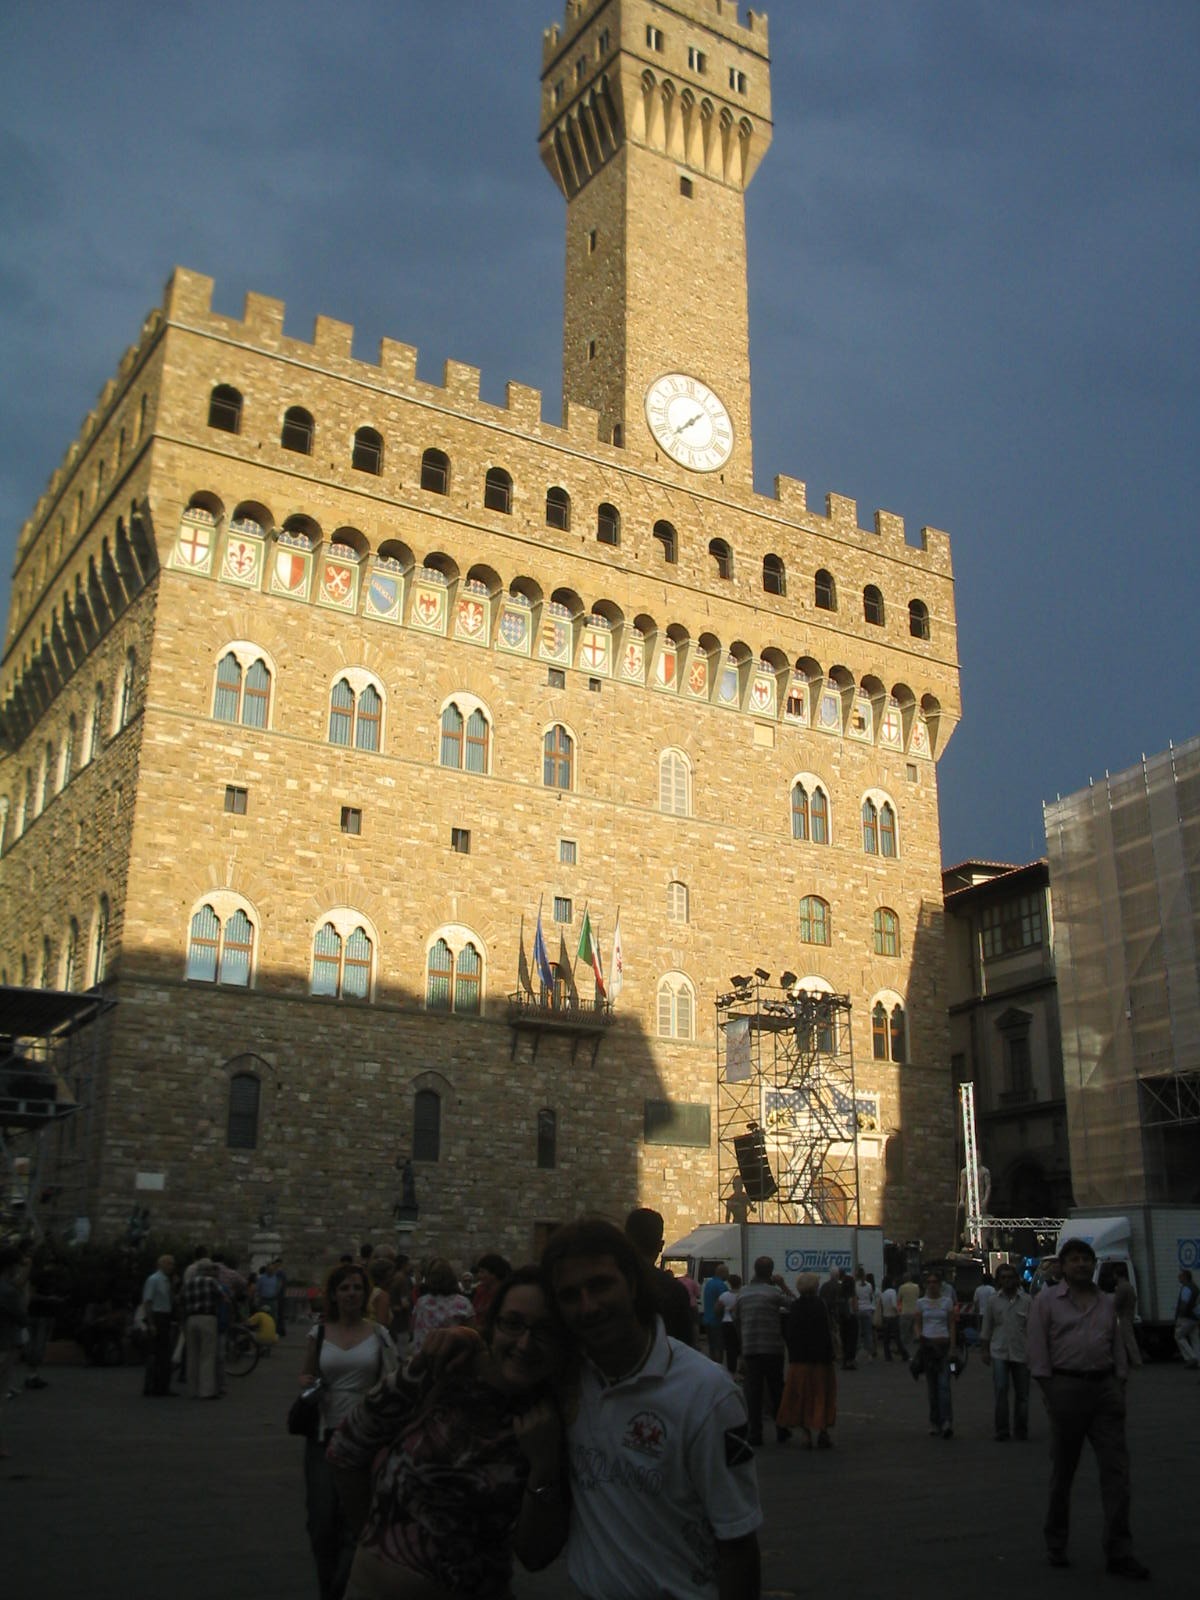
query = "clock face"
x=689 y=422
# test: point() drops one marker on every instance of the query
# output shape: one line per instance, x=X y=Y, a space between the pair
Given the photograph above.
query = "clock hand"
x=690 y=423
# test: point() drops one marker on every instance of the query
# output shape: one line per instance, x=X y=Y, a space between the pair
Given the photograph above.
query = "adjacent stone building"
x=321 y=680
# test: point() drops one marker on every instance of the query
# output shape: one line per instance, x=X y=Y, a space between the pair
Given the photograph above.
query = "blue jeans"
x=937 y=1382
x=1017 y=1373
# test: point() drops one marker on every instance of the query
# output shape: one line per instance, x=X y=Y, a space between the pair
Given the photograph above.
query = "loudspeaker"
x=751 y=1152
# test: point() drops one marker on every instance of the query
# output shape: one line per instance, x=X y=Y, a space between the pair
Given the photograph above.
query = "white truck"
x=1154 y=1243
x=793 y=1246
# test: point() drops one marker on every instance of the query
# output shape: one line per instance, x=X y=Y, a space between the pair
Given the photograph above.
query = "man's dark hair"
x=597 y=1236
x=493 y=1263
x=644 y=1229
x=1075 y=1247
x=365 y=1250
x=763 y=1268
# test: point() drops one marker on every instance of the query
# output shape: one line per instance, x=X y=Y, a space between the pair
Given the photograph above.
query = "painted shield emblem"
x=664 y=669
x=698 y=678
x=194 y=545
x=514 y=627
x=595 y=651
x=383 y=593
x=336 y=582
x=242 y=559
x=729 y=685
x=830 y=710
x=632 y=662
x=760 y=695
x=470 y=618
x=428 y=607
x=291 y=570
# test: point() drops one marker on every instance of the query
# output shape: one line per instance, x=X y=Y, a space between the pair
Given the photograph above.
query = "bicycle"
x=242 y=1350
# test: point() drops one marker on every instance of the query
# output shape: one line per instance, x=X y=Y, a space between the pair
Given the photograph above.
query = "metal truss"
x=785 y=1071
x=1171 y=1099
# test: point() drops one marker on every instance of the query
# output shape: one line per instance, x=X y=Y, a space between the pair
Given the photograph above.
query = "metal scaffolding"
x=787 y=1114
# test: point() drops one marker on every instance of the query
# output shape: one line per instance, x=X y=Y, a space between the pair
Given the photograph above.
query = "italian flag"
x=589 y=951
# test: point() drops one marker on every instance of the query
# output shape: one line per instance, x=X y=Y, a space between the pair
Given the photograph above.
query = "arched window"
x=298 y=431
x=241 y=1129
x=466 y=738
x=886 y=932
x=668 y=539
x=128 y=677
x=355 y=719
x=722 y=557
x=435 y=472
x=45 y=778
x=888 y=1033
x=67 y=765
x=96 y=735
x=367 y=454
x=873 y=605
x=870 y=822
x=100 y=942
x=558 y=758
x=774 y=575
x=677 y=901
x=71 y=955
x=887 y=830
x=242 y=696
x=918 y=619
x=814 y=920
x=825 y=591
x=558 y=509
x=427 y=1125
x=454 y=974
x=497 y=490
x=225 y=409
x=810 y=812
x=879 y=827
x=547 y=1138
x=220 y=952
x=341 y=967
x=676 y=1007
x=608 y=524
x=674 y=784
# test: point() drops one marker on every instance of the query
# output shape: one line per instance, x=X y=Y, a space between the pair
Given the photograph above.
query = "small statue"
x=738 y=1205
x=406 y=1208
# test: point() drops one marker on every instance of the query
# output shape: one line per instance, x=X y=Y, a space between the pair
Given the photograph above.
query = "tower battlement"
x=720 y=16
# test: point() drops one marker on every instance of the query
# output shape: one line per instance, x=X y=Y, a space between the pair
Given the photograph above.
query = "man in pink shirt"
x=1077 y=1355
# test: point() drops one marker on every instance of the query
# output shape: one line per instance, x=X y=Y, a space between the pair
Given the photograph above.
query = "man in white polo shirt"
x=664 y=1496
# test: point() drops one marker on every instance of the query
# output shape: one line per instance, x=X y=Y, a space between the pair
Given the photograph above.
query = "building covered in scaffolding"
x=1125 y=882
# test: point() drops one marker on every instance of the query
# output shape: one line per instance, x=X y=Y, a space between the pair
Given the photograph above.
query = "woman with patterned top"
x=465 y=1462
x=442 y=1304
x=350 y=1354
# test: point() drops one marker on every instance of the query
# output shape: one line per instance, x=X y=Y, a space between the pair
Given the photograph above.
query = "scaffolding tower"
x=787 y=1113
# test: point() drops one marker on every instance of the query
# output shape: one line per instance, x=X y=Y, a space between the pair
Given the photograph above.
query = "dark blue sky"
x=973 y=294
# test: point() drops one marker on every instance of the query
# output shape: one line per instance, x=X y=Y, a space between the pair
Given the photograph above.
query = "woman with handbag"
x=936 y=1331
x=467 y=1451
x=348 y=1353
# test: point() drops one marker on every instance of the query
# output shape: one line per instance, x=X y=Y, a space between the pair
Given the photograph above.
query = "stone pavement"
x=109 y=1495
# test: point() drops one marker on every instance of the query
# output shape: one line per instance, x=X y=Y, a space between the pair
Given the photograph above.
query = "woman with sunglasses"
x=465 y=1462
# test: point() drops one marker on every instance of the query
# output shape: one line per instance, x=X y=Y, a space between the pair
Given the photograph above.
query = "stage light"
x=741 y=983
x=762 y=975
x=786 y=980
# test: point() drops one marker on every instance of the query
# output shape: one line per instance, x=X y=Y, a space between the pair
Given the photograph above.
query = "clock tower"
x=655 y=116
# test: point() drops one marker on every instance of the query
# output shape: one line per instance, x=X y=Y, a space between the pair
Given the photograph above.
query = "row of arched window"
x=59 y=763
x=221 y=950
x=816 y=925
x=465 y=743
x=82 y=962
x=298 y=434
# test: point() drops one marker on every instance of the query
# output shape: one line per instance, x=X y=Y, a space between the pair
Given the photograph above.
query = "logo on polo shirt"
x=647 y=1434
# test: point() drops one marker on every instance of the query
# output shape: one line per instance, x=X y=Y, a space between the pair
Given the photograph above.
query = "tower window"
x=497 y=490
x=568 y=852
x=435 y=472
x=825 y=591
x=236 y=800
x=591 y=242
x=737 y=81
x=558 y=758
x=722 y=557
x=298 y=431
x=562 y=908
x=774 y=576
x=608 y=524
x=873 y=605
x=367 y=455
x=918 y=619
x=559 y=91
x=460 y=841
x=666 y=536
x=225 y=409
x=580 y=69
x=697 y=60
x=351 y=820
x=591 y=349
x=654 y=38
x=558 y=509
x=686 y=188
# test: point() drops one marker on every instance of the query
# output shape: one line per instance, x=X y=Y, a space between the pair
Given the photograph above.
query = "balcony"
x=561 y=1013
